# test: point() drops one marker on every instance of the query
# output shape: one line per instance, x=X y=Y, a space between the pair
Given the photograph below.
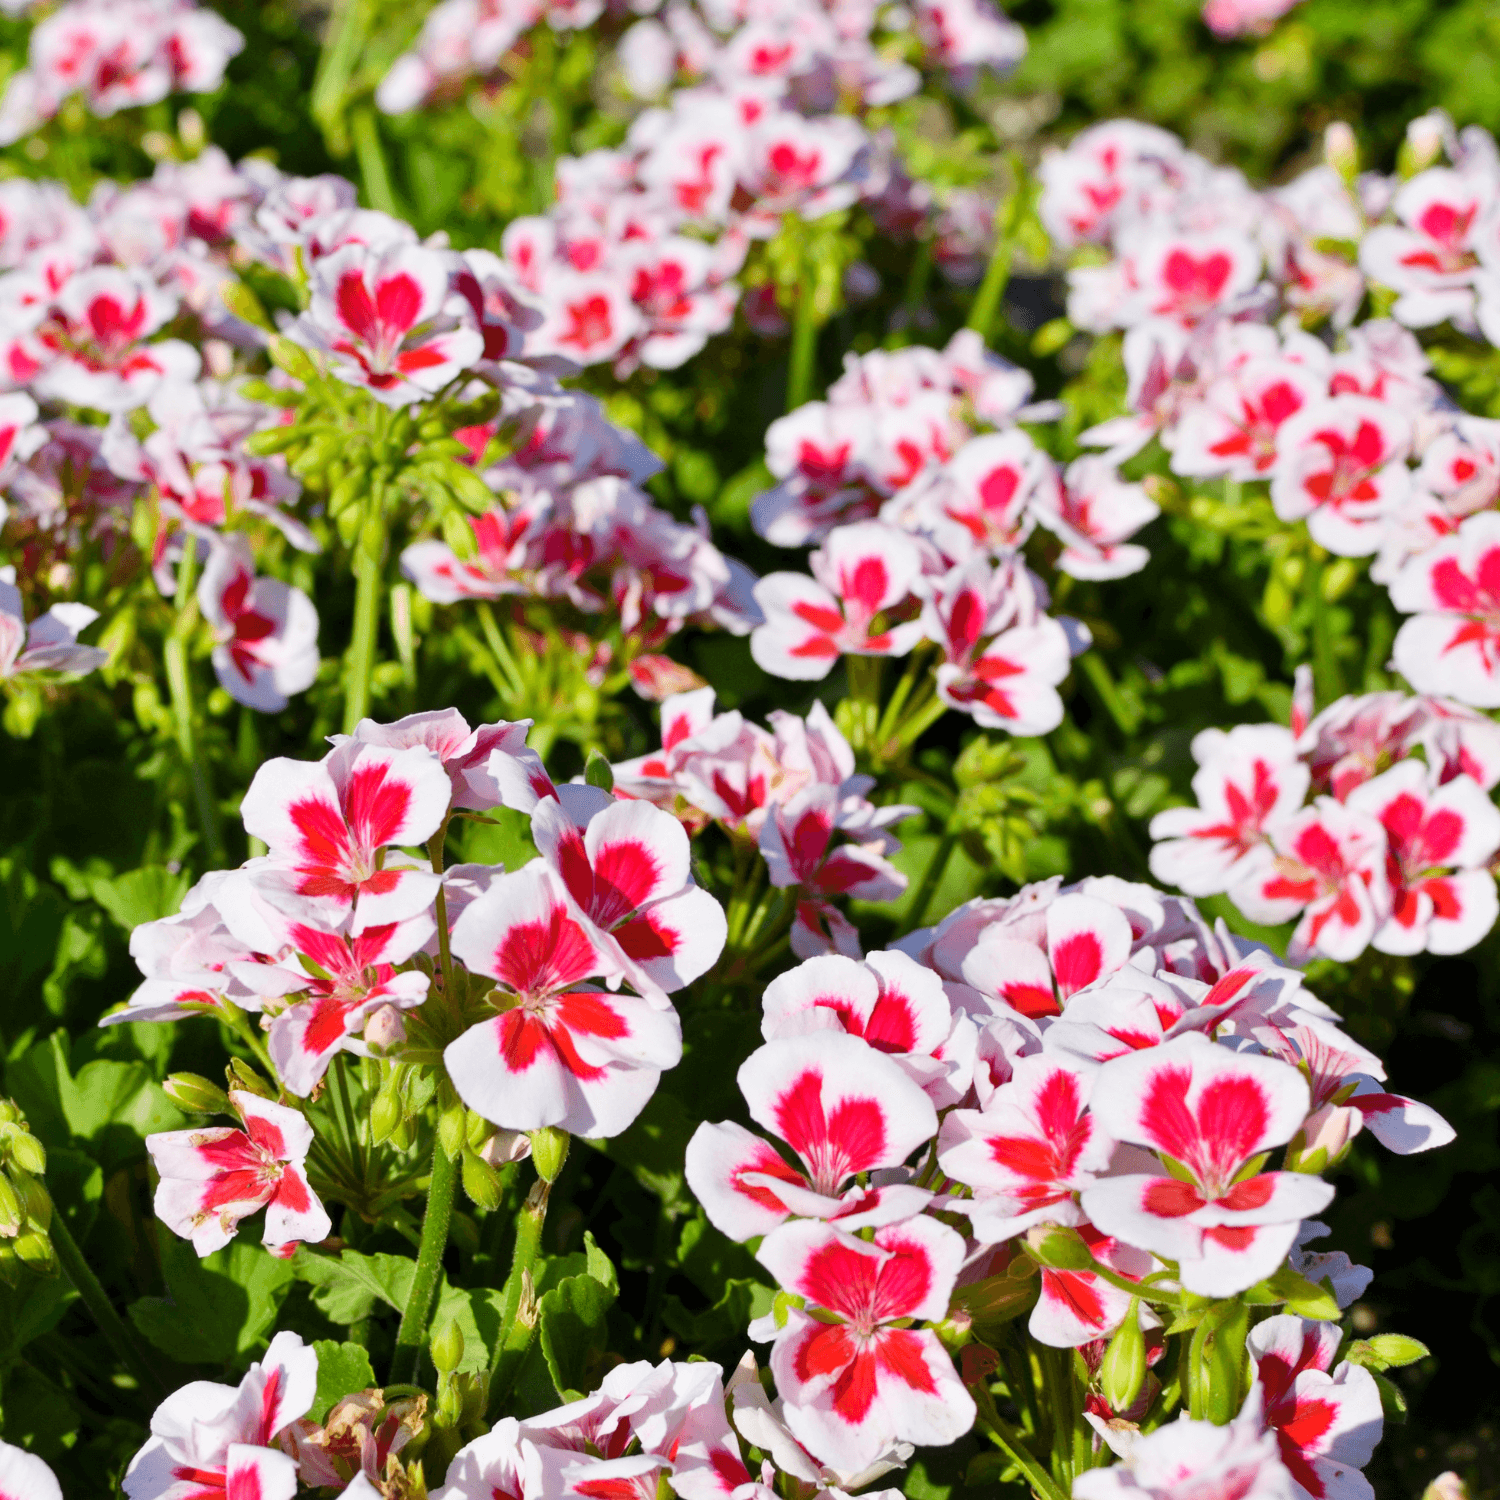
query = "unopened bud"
x=35 y=1252
x=35 y=1200
x=956 y=1330
x=1324 y=1139
x=12 y=1215
x=452 y=1124
x=385 y=1029
x=481 y=1181
x=28 y=1153
x=1058 y=1249
x=1424 y=141
x=447 y=1348
x=1123 y=1368
x=9 y=1114
x=598 y=772
x=243 y=303
x=1341 y=150
x=549 y=1150
x=196 y=1094
x=242 y=1076
x=385 y=1114
x=504 y=1146
x=479 y=1130
x=995 y=1301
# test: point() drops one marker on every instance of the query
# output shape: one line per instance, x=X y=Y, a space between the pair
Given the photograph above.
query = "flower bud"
x=1123 y=1368
x=12 y=1214
x=1324 y=1139
x=1424 y=142
x=995 y=1301
x=292 y=358
x=385 y=1029
x=28 y=1153
x=385 y=1112
x=35 y=1252
x=35 y=1200
x=598 y=772
x=196 y=1094
x=9 y=1114
x=956 y=1330
x=243 y=1076
x=244 y=304
x=1058 y=1249
x=549 y=1150
x=504 y=1146
x=481 y=1181
x=452 y=1124
x=447 y=1348
x=1341 y=150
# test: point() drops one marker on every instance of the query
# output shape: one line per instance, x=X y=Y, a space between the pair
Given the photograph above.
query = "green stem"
x=996 y=276
x=347 y=1122
x=180 y=687
x=504 y=657
x=368 y=557
x=364 y=132
x=1058 y=1373
x=519 y=1312
x=101 y=1309
x=239 y=1023
x=344 y=38
x=1194 y=1382
x=1325 y=657
x=1009 y=1441
x=930 y=878
x=802 y=361
x=429 y=1272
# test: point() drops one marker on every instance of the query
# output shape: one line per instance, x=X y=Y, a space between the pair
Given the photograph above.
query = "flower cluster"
x=950 y=508
x=114 y=55
x=791 y=788
x=1120 y=1074
x=1371 y=823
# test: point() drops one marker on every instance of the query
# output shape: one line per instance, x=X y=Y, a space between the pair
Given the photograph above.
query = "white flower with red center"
x=1030 y=1151
x=1101 y=176
x=909 y=435
x=1345 y=1080
x=1249 y=782
x=1233 y=430
x=509 y=543
x=1327 y=1419
x=1341 y=466
x=329 y=824
x=860 y=573
x=985 y=497
x=90 y=345
x=890 y=1001
x=1211 y=1112
x=853 y=1385
x=818 y=454
x=693 y=163
x=50 y=642
x=1194 y=1460
x=1094 y=513
x=796 y=841
x=653 y=776
x=1331 y=866
x=1079 y=940
x=501 y=307
x=561 y=1053
x=1185 y=277
x=465 y=753
x=213 y=1442
x=627 y=865
x=388 y=318
x=681 y=303
x=589 y=316
x=1462 y=465
x=795 y=164
x=1439 y=841
x=844 y=1108
x=1012 y=684
x=1076 y=1307
x=214 y=1177
x=345 y=981
x=1354 y=738
x=267 y=631
x=1451 y=644
x=1430 y=257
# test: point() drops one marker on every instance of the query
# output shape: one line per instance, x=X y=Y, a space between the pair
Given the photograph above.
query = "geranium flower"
x=212 y=1178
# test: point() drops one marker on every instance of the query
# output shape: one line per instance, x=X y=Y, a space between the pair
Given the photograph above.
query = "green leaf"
x=1304 y=1298
x=347 y=1289
x=343 y=1369
x=216 y=1308
x=1392 y=1397
x=571 y=1322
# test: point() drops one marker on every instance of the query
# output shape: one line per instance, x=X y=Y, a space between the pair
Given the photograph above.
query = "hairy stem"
x=180 y=687
x=802 y=360
x=429 y=1272
x=518 y=1317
